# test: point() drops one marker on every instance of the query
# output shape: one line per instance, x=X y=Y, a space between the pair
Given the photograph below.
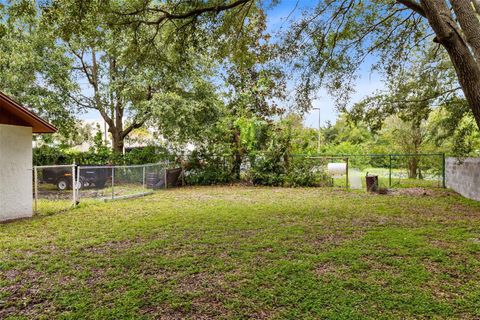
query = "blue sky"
x=366 y=84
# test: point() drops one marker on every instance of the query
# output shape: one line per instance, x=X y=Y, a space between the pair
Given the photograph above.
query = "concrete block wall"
x=463 y=176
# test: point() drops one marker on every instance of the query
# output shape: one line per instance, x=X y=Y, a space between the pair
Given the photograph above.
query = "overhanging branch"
x=413 y=5
x=167 y=15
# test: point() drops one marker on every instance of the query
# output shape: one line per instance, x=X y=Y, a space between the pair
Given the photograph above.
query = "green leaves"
x=184 y=115
x=33 y=69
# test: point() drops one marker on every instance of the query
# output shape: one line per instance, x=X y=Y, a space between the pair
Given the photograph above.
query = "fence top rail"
x=123 y=166
x=370 y=155
x=55 y=166
x=326 y=157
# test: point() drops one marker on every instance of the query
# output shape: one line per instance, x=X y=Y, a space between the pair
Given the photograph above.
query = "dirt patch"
x=113 y=246
x=55 y=195
x=419 y=192
x=440 y=288
x=203 y=294
x=24 y=294
x=329 y=268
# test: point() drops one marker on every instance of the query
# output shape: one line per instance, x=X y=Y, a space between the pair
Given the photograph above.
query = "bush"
x=207 y=169
x=46 y=155
x=149 y=154
x=302 y=173
x=276 y=170
x=268 y=169
x=99 y=155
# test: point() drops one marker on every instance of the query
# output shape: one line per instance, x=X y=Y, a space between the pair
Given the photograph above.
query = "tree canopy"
x=210 y=76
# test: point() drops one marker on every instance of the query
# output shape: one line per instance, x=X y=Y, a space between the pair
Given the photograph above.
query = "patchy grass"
x=245 y=252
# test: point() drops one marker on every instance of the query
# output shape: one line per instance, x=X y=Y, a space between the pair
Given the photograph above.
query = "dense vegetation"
x=207 y=85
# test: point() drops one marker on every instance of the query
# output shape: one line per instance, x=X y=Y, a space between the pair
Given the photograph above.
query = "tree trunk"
x=412 y=167
x=468 y=73
x=237 y=156
x=117 y=141
x=447 y=34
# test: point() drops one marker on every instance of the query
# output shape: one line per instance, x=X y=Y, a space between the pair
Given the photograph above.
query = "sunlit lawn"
x=245 y=252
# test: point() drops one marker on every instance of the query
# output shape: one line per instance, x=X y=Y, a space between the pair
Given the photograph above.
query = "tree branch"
x=166 y=15
x=413 y=5
x=135 y=125
x=428 y=98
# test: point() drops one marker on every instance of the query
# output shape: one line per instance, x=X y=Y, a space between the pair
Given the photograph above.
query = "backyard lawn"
x=246 y=252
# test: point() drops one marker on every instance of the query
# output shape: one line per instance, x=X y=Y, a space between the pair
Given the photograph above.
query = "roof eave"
x=44 y=126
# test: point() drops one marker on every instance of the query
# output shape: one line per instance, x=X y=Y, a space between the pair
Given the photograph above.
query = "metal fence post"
x=443 y=171
x=166 y=178
x=113 y=182
x=390 y=171
x=74 y=185
x=35 y=179
x=347 y=184
x=143 y=181
x=78 y=184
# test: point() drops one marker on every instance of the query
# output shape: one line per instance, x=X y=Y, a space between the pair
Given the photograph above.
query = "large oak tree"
x=131 y=70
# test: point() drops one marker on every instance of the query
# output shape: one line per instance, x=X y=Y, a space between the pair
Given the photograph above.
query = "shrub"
x=302 y=173
x=208 y=169
x=148 y=154
x=99 y=155
x=47 y=155
x=268 y=169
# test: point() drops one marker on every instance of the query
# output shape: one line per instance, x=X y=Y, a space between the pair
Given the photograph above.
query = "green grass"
x=244 y=252
x=400 y=178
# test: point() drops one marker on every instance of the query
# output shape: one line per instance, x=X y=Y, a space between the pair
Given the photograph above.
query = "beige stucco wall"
x=15 y=172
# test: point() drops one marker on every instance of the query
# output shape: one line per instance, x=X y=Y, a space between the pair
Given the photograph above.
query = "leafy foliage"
x=33 y=68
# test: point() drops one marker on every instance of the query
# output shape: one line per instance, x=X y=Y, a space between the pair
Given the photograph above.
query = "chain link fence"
x=400 y=170
x=318 y=171
x=126 y=181
x=55 y=190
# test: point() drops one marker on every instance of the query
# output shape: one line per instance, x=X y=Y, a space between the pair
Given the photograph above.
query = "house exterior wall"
x=463 y=176
x=15 y=172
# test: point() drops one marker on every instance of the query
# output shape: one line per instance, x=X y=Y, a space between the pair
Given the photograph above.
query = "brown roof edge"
x=38 y=124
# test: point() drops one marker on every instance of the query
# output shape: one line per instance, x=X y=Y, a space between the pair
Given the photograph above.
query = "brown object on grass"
x=371 y=182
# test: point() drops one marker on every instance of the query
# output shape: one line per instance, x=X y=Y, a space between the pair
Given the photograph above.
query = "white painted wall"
x=15 y=172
